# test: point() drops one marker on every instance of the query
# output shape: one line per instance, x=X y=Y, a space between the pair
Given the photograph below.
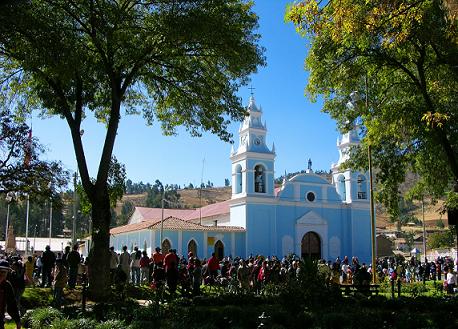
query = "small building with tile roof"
x=306 y=215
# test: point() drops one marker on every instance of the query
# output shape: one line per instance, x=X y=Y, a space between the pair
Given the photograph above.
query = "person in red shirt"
x=144 y=268
x=171 y=270
x=213 y=265
x=158 y=257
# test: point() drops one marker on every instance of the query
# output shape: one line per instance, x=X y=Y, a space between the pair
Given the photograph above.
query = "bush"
x=123 y=310
x=415 y=289
x=147 y=317
x=111 y=324
x=41 y=317
x=36 y=297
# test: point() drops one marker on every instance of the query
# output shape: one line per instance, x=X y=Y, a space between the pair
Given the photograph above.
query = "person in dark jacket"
x=73 y=260
x=7 y=298
x=48 y=259
x=16 y=278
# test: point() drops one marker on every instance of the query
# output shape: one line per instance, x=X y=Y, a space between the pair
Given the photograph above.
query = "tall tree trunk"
x=99 y=260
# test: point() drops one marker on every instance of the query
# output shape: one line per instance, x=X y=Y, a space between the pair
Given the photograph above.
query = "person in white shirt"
x=124 y=261
x=451 y=281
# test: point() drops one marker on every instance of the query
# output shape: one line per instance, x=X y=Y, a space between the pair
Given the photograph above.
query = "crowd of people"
x=189 y=273
x=254 y=273
x=413 y=270
x=168 y=270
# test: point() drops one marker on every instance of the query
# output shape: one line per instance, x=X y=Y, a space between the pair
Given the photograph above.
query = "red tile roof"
x=156 y=213
x=215 y=209
x=131 y=227
x=175 y=224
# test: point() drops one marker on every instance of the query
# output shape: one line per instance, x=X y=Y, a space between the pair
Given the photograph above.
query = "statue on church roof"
x=309 y=165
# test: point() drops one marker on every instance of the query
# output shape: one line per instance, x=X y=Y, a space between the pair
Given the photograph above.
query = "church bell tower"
x=253 y=161
x=350 y=185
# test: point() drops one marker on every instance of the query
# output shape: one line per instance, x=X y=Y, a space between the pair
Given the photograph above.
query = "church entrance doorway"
x=219 y=250
x=311 y=246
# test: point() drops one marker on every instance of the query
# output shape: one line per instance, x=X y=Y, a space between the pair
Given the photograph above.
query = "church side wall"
x=260 y=230
x=234 y=242
x=286 y=217
x=339 y=235
x=238 y=215
x=131 y=239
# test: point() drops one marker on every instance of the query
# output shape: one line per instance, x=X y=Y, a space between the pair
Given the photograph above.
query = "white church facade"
x=306 y=215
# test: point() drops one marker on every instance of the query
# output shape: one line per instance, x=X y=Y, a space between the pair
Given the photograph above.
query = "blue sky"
x=296 y=126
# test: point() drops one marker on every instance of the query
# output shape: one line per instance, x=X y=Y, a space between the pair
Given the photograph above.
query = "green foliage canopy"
x=178 y=62
x=402 y=58
x=441 y=239
x=21 y=169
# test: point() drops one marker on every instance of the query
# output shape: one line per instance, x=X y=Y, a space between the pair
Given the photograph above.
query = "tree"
x=441 y=239
x=402 y=59
x=116 y=185
x=169 y=192
x=178 y=62
x=127 y=209
x=21 y=169
x=227 y=182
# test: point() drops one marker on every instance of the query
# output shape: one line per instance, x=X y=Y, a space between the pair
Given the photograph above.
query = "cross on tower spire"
x=252 y=88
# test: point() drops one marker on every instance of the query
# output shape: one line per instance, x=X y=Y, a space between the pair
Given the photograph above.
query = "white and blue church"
x=306 y=215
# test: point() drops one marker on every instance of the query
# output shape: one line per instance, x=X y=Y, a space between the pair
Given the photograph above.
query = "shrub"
x=415 y=289
x=111 y=324
x=41 y=317
x=122 y=310
x=36 y=297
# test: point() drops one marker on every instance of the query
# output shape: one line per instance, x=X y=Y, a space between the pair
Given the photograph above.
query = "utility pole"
x=162 y=218
x=374 y=265
x=201 y=183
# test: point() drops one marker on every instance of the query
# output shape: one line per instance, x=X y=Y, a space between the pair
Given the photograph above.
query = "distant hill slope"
x=189 y=197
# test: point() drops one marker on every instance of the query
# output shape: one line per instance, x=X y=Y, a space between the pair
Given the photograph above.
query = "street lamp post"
x=34 y=238
x=424 y=227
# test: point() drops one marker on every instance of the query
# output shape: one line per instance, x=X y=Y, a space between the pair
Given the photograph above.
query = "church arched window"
x=259 y=179
x=166 y=246
x=192 y=247
x=238 y=179
x=362 y=187
x=341 y=188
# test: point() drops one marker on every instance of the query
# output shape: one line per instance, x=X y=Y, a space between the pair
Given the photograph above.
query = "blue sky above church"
x=296 y=126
